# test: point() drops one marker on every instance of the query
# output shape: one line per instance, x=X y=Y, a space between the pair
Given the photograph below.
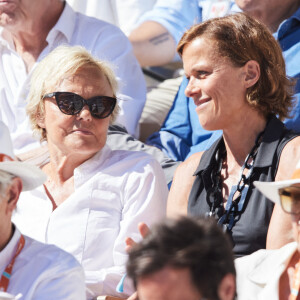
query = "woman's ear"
x=252 y=71
x=40 y=120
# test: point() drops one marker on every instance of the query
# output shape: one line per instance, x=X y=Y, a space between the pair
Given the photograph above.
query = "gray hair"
x=5 y=180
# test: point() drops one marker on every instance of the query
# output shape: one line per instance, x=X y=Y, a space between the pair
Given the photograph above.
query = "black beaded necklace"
x=236 y=200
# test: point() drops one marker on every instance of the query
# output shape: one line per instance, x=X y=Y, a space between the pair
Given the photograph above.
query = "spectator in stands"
x=274 y=274
x=94 y=197
x=238 y=82
x=29 y=268
x=183 y=259
x=152 y=46
x=180 y=135
x=31 y=29
x=154 y=27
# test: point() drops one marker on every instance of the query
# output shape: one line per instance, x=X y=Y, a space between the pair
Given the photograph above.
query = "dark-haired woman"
x=237 y=80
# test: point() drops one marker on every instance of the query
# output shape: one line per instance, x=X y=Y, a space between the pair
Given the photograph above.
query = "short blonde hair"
x=61 y=62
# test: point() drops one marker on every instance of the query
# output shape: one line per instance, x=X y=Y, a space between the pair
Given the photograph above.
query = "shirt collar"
x=264 y=269
x=270 y=141
x=286 y=26
x=8 y=252
x=91 y=166
x=296 y=15
x=6 y=39
x=64 y=25
x=206 y=163
x=273 y=131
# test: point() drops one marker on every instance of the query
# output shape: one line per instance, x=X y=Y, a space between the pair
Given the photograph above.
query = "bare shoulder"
x=181 y=186
x=289 y=159
x=185 y=171
x=279 y=232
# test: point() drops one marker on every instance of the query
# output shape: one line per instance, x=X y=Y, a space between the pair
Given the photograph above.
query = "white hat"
x=270 y=189
x=31 y=175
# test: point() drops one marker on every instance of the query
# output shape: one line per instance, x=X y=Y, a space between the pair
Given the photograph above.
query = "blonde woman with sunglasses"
x=94 y=197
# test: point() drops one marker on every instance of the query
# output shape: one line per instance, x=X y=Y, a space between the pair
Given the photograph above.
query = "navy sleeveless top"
x=250 y=231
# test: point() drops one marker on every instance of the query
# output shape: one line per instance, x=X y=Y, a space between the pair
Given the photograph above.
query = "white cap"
x=270 y=189
x=31 y=175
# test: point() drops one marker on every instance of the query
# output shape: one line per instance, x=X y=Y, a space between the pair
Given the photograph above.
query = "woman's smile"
x=215 y=84
x=201 y=103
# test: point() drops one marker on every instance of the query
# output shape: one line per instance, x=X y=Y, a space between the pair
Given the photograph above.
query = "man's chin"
x=6 y=19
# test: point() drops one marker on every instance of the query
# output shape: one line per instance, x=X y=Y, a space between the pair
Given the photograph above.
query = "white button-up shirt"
x=122 y=13
x=104 y=40
x=42 y=271
x=258 y=275
x=114 y=191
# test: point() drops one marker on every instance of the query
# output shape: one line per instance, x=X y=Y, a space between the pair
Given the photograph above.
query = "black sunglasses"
x=290 y=199
x=71 y=104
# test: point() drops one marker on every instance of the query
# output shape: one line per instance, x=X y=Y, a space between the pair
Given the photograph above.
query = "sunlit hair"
x=241 y=38
x=5 y=180
x=62 y=62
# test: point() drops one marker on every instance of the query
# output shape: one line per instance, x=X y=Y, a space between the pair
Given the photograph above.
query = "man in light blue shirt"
x=159 y=30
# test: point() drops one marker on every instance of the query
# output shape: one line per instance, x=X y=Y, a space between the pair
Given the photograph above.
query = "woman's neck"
x=239 y=140
x=60 y=178
x=62 y=164
x=60 y=170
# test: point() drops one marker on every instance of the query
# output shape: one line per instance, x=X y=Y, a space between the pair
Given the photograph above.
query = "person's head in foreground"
x=234 y=65
x=284 y=265
x=72 y=101
x=186 y=259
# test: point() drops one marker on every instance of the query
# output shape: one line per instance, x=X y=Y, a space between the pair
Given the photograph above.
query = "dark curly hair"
x=241 y=38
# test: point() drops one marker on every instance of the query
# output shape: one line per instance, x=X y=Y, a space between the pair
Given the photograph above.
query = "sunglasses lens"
x=69 y=103
x=101 y=107
x=290 y=199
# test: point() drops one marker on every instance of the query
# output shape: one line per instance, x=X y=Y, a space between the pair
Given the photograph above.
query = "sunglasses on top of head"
x=71 y=104
x=290 y=199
